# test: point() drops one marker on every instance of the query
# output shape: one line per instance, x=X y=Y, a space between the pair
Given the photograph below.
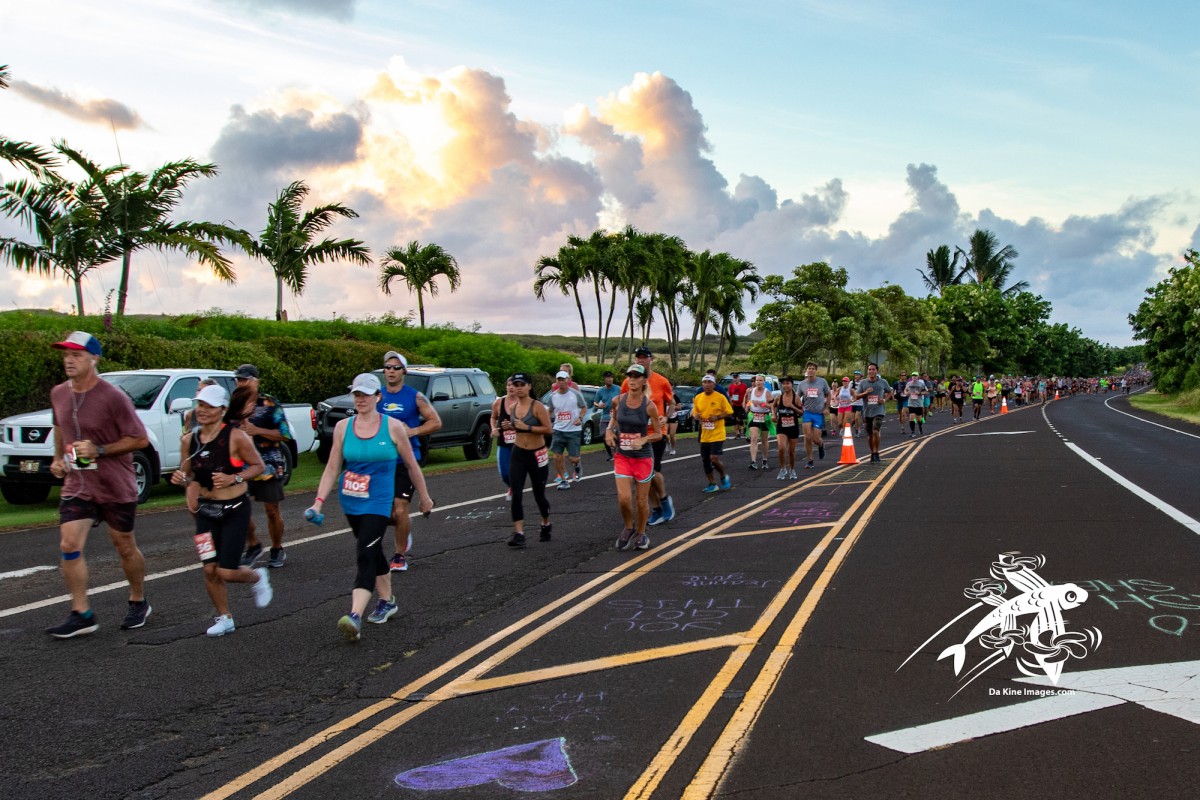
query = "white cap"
x=214 y=395
x=366 y=383
x=562 y=374
x=393 y=354
x=708 y=379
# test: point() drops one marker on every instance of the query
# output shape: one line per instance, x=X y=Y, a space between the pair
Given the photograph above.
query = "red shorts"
x=640 y=469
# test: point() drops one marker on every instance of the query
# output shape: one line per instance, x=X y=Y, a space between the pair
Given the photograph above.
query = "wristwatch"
x=99 y=451
x=237 y=479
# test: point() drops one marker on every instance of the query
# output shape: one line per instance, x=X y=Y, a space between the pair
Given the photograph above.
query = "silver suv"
x=462 y=397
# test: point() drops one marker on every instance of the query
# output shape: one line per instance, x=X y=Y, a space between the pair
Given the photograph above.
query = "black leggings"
x=368 y=531
x=524 y=462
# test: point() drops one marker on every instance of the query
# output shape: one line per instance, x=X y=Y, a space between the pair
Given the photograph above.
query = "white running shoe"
x=262 y=590
x=222 y=626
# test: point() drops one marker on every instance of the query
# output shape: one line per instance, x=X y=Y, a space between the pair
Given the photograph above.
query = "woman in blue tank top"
x=362 y=462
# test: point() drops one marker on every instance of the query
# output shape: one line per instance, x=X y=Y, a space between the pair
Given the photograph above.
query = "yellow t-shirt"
x=705 y=405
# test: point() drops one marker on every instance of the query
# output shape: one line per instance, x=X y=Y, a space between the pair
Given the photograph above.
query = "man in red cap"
x=95 y=431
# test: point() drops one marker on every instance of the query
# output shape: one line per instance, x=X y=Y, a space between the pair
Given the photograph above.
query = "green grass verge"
x=1185 y=406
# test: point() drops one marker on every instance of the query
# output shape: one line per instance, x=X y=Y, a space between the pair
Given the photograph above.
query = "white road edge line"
x=1161 y=505
x=1148 y=422
x=21 y=573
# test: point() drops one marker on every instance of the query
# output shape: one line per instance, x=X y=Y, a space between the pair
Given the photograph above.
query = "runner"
x=404 y=403
x=662 y=509
x=568 y=409
x=603 y=401
x=570 y=370
x=977 y=390
x=842 y=401
x=368 y=445
x=531 y=421
x=737 y=398
x=916 y=390
x=672 y=428
x=816 y=396
x=957 y=396
x=758 y=409
x=901 y=403
x=788 y=410
x=221 y=460
x=268 y=426
x=634 y=426
x=711 y=409
x=501 y=411
x=992 y=391
x=95 y=431
x=856 y=406
x=876 y=392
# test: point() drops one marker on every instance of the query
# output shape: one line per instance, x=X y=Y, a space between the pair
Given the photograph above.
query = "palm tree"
x=36 y=159
x=287 y=241
x=419 y=266
x=989 y=264
x=941 y=270
x=564 y=270
x=134 y=213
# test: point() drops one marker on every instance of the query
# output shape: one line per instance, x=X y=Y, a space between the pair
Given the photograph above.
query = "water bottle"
x=314 y=516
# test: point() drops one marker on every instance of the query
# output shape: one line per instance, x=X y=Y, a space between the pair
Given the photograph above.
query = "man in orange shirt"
x=659 y=389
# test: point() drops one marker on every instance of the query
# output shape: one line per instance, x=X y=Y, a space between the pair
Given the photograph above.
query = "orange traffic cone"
x=848 y=456
x=1056 y=394
x=1003 y=405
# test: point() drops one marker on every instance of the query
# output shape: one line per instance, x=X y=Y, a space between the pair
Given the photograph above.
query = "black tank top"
x=213 y=457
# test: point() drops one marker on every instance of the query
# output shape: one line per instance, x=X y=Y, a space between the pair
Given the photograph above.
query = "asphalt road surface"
x=1007 y=608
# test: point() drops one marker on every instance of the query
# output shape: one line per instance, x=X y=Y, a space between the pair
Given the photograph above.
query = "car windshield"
x=142 y=389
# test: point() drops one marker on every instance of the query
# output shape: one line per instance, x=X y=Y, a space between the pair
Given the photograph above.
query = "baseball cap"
x=80 y=340
x=858 y=372
x=393 y=354
x=521 y=377
x=708 y=379
x=562 y=373
x=636 y=369
x=246 y=371
x=845 y=380
x=643 y=351
x=366 y=383
x=214 y=395
x=917 y=374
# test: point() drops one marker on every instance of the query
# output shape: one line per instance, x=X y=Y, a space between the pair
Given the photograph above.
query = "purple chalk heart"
x=533 y=767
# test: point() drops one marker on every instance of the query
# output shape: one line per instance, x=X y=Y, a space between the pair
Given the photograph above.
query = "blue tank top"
x=368 y=481
x=402 y=405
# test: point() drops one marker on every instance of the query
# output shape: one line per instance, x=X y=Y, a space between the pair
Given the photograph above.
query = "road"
x=777 y=641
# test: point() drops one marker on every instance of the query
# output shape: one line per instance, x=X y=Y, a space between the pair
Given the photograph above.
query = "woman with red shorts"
x=633 y=458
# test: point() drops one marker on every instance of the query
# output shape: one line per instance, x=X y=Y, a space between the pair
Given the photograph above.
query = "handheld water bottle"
x=314 y=516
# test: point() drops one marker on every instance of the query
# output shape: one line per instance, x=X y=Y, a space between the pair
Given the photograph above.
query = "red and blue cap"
x=80 y=340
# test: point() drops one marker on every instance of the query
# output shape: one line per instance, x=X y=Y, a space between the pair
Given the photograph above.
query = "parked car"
x=462 y=397
x=772 y=381
x=683 y=411
x=591 y=431
x=161 y=397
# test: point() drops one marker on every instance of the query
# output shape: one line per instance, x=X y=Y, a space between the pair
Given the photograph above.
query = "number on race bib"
x=812 y=392
x=627 y=441
x=543 y=458
x=355 y=485
x=759 y=417
x=707 y=424
x=205 y=547
x=872 y=399
x=510 y=436
x=564 y=416
x=787 y=420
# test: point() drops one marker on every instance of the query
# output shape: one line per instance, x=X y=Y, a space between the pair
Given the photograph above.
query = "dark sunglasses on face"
x=390 y=366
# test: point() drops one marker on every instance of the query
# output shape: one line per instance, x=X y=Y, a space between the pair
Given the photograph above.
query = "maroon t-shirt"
x=101 y=415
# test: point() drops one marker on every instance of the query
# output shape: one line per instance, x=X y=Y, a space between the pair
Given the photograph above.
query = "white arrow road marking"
x=994 y=433
x=1168 y=688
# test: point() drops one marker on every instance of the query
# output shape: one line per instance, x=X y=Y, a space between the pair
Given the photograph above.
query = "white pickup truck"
x=161 y=398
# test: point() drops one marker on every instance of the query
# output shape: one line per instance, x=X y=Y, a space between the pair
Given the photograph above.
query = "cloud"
x=266 y=141
x=103 y=111
x=340 y=10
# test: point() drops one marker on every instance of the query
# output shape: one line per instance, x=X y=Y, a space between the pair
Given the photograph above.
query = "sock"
x=86 y=614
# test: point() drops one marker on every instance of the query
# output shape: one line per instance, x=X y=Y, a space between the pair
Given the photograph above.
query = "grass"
x=1185 y=406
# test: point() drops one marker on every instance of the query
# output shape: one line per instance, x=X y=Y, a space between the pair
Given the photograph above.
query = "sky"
x=861 y=134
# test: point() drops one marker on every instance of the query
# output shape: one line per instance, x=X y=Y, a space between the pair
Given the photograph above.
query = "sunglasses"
x=519 y=383
x=389 y=366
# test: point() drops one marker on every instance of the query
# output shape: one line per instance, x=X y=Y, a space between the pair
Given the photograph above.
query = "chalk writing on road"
x=1138 y=594
x=532 y=767
x=478 y=514
x=732 y=579
x=547 y=709
x=658 y=616
x=807 y=513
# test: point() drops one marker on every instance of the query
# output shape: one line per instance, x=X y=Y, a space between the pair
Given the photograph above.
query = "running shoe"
x=753 y=465
x=668 y=509
x=558 y=479
x=221 y=626
x=578 y=472
x=564 y=485
x=517 y=540
x=642 y=543
x=809 y=465
x=792 y=474
x=624 y=539
x=139 y=612
x=726 y=484
x=399 y=563
x=384 y=609
x=672 y=451
x=656 y=516
x=277 y=557
x=76 y=624
x=821 y=450
x=782 y=474
x=251 y=555
x=544 y=535
x=508 y=496
x=764 y=466
x=350 y=627
x=262 y=589
x=712 y=488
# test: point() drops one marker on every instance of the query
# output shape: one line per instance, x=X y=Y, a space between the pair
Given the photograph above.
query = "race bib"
x=872 y=399
x=564 y=416
x=733 y=398
x=543 y=458
x=812 y=392
x=205 y=547
x=707 y=425
x=510 y=436
x=627 y=440
x=355 y=485
x=760 y=417
x=787 y=420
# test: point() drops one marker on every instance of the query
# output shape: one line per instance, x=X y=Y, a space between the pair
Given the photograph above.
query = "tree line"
x=1168 y=320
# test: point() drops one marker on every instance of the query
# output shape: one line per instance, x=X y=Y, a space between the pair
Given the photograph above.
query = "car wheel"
x=588 y=434
x=142 y=475
x=481 y=443
x=24 y=494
